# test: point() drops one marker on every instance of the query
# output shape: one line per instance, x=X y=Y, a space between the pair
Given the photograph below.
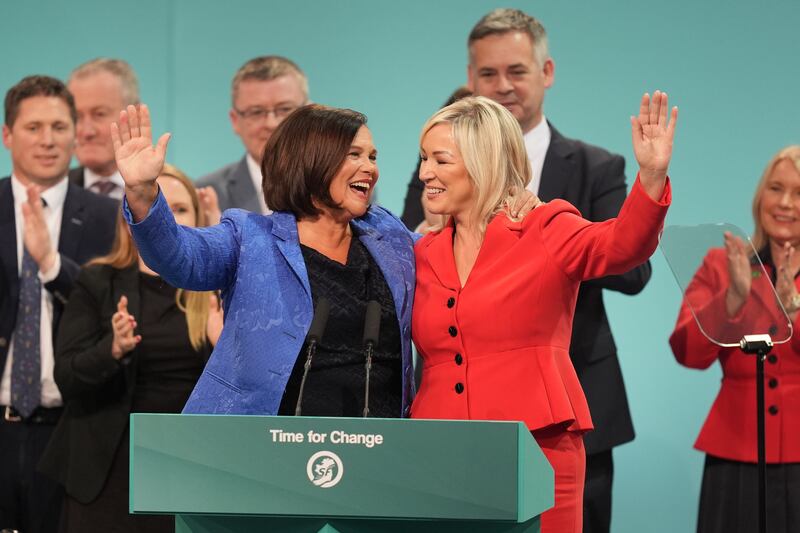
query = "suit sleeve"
x=199 y=259
x=608 y=195
x=585 y=250
x=413 y=214
x=61 y=286
x=83 y=361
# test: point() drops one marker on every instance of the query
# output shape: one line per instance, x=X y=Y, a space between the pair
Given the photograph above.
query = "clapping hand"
x=123 y=325
x=739 y=271
x=35 y=235
x=209 y=204
x=652 y=141
x=139 y=162
x=784 y=281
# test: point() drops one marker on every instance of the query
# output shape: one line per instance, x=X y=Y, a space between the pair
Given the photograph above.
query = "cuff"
x=52 y=273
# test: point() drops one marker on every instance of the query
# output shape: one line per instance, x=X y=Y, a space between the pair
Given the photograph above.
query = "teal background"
x=731 y=67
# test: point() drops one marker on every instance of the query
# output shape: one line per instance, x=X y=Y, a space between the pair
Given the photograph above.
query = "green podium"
x=226 y=474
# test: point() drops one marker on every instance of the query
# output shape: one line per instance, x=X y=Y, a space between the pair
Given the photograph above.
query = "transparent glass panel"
x=702 y=266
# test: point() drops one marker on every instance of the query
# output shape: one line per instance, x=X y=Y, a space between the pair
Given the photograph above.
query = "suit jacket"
x=257 y=262
x=593 y=180
x=87 y=230
x=234 y=187
x=98 y=390
x=516 y=364
x=729 y=431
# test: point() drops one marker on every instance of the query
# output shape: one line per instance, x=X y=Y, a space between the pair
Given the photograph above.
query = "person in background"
x=48 y=227
x=102 y=88
x=129 y=343
x=264 y=91
x=510 y=62
x=729 y=286
x=523 y=273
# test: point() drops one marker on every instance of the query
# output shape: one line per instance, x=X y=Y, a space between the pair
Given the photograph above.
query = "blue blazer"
x=257 y=263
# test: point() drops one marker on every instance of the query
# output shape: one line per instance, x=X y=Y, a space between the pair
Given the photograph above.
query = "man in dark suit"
x=509 y=63
x=264 y=91
x=102 y=88
x=48 y=227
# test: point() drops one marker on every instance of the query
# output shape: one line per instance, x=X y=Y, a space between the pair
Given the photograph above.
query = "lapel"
x=240 y=188
x=558 y=169
x=75 y=176
x=8 y=238
x=387 y=260
x=439 y=254
x=73 y=221
x=284 y=228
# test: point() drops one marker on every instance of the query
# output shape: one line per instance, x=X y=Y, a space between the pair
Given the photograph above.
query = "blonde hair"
x=490 y=141
x=789 y=153
x=116 y=67
x=124 y=254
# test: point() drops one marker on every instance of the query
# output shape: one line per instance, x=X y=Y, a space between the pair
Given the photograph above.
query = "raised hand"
x=739 y=272
x=652 y=136
x=123 y=325
x=35 y=235
x=138 y=161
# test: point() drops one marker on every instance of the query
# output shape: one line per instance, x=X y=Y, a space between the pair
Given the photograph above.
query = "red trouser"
x=564 y=450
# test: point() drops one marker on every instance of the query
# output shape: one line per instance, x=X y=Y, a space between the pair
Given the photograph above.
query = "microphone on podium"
x=372 y=328
x=315 y=333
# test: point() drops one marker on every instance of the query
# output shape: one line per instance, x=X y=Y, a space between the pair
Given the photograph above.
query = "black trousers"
x=597 y=492
x=29 y=501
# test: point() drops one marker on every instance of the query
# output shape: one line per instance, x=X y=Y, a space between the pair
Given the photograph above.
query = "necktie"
x=104 y=187
x=26 y=372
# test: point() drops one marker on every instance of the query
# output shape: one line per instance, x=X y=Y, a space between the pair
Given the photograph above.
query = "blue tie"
x=26 y=373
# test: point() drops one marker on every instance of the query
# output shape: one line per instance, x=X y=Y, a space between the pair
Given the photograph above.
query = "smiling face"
x=448 y=187
x=779 y=210
x=352 y=186
x=503 y=67
x=41 y=140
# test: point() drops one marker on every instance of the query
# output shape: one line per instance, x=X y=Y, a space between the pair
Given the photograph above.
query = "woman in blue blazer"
x=323 y=240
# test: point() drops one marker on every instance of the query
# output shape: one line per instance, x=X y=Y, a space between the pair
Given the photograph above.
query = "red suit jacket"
x=730 y=429
x=498 y=348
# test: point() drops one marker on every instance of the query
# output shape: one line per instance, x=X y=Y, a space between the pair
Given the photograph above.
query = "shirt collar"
x=53 y=196
x=90 y=177
x=538 y=135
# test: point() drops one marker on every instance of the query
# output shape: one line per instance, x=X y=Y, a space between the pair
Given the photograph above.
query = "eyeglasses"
x=256 y=114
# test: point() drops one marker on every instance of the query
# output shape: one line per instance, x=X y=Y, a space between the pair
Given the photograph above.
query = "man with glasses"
x=265 y=90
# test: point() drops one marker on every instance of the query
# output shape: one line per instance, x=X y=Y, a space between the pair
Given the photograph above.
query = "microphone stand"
x=315 y=332
x=760 y=345
x=372 y=327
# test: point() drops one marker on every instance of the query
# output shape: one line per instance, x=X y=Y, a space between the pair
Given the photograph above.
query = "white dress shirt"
x=537 y=141
x=90 y=177
x=255 y=175
x=54 y=198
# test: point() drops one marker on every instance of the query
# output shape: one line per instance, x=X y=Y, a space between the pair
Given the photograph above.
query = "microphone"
x=315 y=333
x=372 y=328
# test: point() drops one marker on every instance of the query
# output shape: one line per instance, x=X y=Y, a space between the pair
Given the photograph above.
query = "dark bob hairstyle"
x=304 y=154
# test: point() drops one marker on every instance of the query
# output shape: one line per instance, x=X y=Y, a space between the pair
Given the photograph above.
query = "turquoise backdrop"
x=731 y=67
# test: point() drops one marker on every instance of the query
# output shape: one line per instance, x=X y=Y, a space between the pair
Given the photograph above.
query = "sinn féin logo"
x=324 y=469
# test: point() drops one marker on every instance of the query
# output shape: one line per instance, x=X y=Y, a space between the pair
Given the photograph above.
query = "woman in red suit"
x=495 y=296
x=730 y=285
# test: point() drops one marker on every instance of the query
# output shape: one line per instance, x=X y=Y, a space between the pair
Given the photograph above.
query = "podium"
x=247 y=474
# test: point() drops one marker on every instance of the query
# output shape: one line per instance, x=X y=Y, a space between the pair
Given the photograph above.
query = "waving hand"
x=139 y=162
x=652 y=141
